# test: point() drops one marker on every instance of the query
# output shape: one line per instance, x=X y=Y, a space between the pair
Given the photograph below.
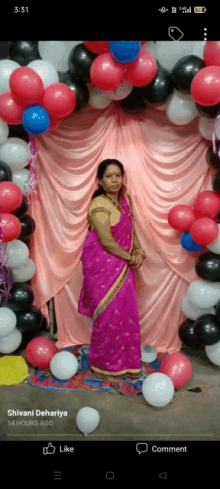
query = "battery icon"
x=199 y=10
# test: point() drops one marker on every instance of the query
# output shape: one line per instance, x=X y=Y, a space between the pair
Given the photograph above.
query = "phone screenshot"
x=110 y=244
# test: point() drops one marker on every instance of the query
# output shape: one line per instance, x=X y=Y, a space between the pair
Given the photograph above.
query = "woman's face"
x=112 y=179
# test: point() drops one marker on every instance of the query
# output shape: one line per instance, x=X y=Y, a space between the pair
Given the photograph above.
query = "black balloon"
x=19 y=132
x=217 y=310
x=134 y=103
x=207 y=266
x=22 y=209
x=80 y=61
x=186 y=334
x=28 y=227
x=216 y=182
x=212 y=159
x=207 y=329
x=29 y=321
x=22 y=297
x=184 y=71
x=209 y=112
x=79 y=88
x=5 y=172
x=23 y=52
x=159 y=89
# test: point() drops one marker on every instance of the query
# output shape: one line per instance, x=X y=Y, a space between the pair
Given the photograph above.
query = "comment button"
x=141 y=447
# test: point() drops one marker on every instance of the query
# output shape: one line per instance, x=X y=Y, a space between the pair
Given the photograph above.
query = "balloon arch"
x=43 y=81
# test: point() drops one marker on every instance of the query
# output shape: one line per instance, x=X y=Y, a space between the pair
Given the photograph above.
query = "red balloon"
x=10 y=111
x=211 y=53
x=10 y=197
x=54 y=124
x=181 y=217
x=207 y=204
x=26 y=86
x=205 y=86
x=11 y=227
x=39 y=352
x=178 y=368
x=98 y=47
x=106 y=73
x=142 y=70
x=59 y=100
x=204 y=231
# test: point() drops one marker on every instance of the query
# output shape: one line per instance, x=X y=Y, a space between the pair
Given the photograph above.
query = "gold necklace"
x=117 y=205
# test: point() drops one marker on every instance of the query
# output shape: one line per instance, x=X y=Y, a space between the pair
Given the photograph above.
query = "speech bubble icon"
x=141 y=447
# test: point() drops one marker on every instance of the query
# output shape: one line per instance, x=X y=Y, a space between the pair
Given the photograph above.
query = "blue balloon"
x=35 y=119
x=188 y=243
x=125 y=51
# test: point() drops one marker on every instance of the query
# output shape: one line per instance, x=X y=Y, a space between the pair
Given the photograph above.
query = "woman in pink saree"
x=108 y=294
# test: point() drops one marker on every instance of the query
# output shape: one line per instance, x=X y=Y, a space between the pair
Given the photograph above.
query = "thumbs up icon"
x=49 y=449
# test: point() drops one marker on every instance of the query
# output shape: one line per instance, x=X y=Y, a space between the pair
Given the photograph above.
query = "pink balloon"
x=142 y=70
x=207 y=204
x=10 y=111
x=181 y=217
x=178 y=368
x=204 y=231
x=106 y=73
x=40 y=351
x=205 y=86
x=211 y=53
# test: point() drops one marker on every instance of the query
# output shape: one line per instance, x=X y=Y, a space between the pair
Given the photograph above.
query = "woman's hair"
x=100 y=172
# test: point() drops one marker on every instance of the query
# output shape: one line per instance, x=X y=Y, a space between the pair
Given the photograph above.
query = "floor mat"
x=85 y=379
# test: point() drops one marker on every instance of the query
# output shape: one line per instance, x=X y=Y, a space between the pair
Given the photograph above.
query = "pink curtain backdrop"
x=165 y=166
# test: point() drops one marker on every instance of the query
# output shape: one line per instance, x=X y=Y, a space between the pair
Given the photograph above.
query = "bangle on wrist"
x=139 y=251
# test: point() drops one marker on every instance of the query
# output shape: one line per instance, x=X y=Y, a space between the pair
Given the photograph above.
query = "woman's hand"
x=136 y=261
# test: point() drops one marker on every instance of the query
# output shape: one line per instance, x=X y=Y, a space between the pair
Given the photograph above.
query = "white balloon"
x=215 y=246
x=15 y=153
x=217 y=128
x=7 y=67
x=213 y=353
x=148 y=353
x=46 y=71
x=11 y=342
x=18 y=254
x=169 y=52
x=181 y=109
x=206 y=126
x=20 y=178
x=121 y=92
x=204 y=294
x=98 y=99
x=158 y=389
x=57 y=52
x=87 y=420
x=24 y=273
x=198 y=48
x=63 y=365
x=4 y=131
x=8 y=321
x=192 y=312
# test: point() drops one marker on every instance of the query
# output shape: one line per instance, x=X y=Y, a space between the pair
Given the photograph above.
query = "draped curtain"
x=165 y=165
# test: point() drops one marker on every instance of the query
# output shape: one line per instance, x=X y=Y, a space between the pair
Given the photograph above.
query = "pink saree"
x=108 y=296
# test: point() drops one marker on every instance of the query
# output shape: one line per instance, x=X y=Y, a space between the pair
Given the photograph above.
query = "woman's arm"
x=136 y=243
x=102 y=225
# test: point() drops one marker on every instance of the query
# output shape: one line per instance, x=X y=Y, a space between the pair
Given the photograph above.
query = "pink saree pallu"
x=108 y=296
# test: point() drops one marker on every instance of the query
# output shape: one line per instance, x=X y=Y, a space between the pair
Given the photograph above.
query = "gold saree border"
x=115 y=374
x=114 y=288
